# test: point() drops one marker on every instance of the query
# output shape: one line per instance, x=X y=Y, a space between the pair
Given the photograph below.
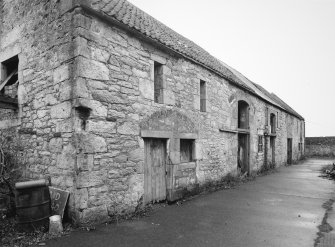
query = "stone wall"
x=86 y=106
x=116 y=75
x=320 y=146
x=40 y=34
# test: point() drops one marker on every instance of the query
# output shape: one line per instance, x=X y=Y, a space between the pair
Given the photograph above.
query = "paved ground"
x=285 y=208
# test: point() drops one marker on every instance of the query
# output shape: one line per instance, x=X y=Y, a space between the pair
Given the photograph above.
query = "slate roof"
x=136 y=19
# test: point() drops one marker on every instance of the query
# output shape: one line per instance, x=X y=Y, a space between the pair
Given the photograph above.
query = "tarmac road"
x=285 y=208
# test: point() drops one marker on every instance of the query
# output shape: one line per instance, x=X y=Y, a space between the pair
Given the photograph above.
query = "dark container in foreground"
x=33 y=206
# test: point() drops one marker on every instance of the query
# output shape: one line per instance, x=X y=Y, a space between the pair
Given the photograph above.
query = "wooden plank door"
x=154 y=170
x=273 y=151
x=243 y=153
x=289 y=150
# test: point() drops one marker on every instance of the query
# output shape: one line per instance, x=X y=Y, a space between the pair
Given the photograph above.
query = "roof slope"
x=252 y=85
x=136 y=19
x=262 y=92
x=279 y=101
x=286 y=106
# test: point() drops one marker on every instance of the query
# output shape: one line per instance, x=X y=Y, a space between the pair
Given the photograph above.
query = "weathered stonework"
x=320 y=146
x=86 y=107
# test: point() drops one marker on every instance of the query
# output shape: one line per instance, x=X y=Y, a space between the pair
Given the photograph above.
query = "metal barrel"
x=33 y=205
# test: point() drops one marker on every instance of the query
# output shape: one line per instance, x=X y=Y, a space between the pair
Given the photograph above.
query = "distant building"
x=121 y=111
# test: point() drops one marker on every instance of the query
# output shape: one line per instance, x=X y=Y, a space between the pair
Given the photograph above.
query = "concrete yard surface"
x=290 y=207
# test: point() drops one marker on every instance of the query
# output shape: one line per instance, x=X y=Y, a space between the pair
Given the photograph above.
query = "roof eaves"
x=115 y=16
x=136 y=31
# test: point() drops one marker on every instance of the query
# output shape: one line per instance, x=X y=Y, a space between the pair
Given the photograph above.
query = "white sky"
x=287 y=46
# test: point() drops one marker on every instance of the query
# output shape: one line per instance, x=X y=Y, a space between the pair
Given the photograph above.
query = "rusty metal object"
x=33 y=204
x=31 y=184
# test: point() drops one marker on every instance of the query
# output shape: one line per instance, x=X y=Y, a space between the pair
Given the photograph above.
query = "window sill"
x=187 y=165
x=186 y=162
x=243 y=131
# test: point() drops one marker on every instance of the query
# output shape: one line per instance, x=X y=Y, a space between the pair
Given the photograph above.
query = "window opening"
x=186 y=150
x=83 y=114
x=272 y=123
x=243 y=115
x=202 y=96
x=9 y=77
x=158 y=82
x=260 y=143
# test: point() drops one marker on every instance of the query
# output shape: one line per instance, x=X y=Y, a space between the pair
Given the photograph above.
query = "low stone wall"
x=320 y=146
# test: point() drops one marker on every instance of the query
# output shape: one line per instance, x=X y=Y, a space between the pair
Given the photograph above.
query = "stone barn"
x=122 y=111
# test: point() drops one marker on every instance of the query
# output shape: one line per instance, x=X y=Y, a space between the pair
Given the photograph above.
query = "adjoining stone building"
x=122 y=111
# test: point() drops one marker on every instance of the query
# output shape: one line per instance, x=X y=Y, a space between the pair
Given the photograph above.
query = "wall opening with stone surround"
x=202 y=96
x=243 y=115
x=181 y=134
x=83 y=114
x=260 y=143
x=9 y=75
x=289 y=151
x=158 y=82
x=243 y=151
x=9 y=82
x=273 y=123
x=186 y=150
x=155 y=172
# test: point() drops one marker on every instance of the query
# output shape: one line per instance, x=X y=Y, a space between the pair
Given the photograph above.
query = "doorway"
x=289 y=150
x=154 y=170
x=273 y=151
x=243 y=153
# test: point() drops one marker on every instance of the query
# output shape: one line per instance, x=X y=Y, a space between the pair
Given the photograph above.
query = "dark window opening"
x=9 y=77
x=260 y=143
x=243 y=115
x=202 y=96
x=83 y=114
x=272 y=123
x=186 y=150
x=158 y=82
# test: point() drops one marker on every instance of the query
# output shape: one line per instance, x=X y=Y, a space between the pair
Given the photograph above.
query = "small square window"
x=260 y=143
x=202 y=96
x=186 y=150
